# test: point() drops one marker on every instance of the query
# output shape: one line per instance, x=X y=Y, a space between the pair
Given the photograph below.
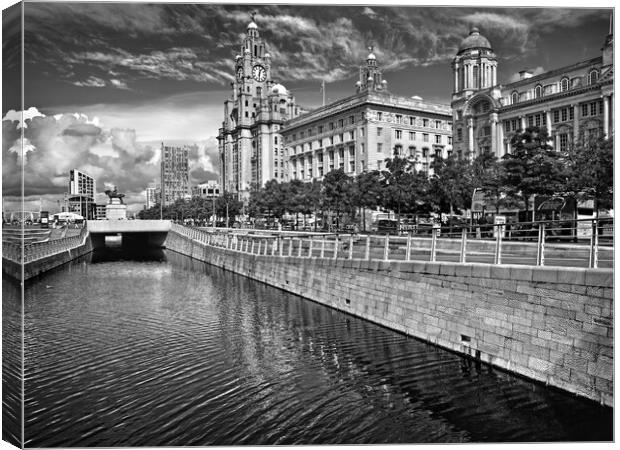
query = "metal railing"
x=38 y=250
x=584 y=243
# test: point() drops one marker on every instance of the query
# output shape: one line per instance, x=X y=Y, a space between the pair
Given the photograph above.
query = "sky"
x=106 y=83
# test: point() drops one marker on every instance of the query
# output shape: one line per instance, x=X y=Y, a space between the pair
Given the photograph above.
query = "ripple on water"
x=168 y=351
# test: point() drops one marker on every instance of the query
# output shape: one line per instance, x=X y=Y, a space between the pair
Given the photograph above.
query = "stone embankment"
x=551 y=324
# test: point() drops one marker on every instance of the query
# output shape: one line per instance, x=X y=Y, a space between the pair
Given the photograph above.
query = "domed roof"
x=371 y=56
x=279 y=89
x=252 y=26
x=474 y=40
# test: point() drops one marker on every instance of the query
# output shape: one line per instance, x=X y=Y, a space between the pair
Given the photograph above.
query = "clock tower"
x=249 y=142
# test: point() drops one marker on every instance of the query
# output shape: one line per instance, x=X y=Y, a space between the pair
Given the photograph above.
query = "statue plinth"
x=115 y=210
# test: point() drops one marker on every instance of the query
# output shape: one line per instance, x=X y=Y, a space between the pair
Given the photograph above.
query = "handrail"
x=38 y=250
x=493 y=244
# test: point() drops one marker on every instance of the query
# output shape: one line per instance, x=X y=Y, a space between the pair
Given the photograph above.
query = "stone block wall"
x=554 y=325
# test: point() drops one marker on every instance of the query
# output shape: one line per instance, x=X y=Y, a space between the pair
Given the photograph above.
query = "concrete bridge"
x=133 y=232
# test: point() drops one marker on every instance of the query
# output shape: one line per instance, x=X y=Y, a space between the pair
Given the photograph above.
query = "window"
x=351 y=120
x=362 y=132
x=593 y=76
x=515 y=124
x=530 y=121
x=564 y=84
x=438 y=139
x=379 y=115
x=320 y=142
x=556 y=116
x=351 y=135
x=412 y=135
x=411 y=151
x=507 y=126
x=341 y=137
x=537 y=120
x=425 y=137
x=584 y=110
x=514 y=97
x=571 y=113
x=600 y=107
x=302 y=135
x=459 y=134
x=275 y=140
x=331 y=140
x=412 y=120
x=398 y=150
x=486 y=131
x=331 y=125
x=425 y=152
x=399 y=134
x=340 y=123
x=438 y=124
x=593 y=109
x=320 y=129
x=399 y=118
x=425 y=122
x=379 y=130
x=449 y=140
x=379 y=147
x=563 y=142
x=564 y=114
x=538 y=91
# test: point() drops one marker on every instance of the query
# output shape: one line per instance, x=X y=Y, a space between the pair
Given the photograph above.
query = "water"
x=165 y=350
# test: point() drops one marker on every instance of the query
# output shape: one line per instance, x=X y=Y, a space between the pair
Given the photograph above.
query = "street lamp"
x=471 y=215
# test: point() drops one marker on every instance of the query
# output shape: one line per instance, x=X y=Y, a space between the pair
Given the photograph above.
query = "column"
x=606 y=101
x=500 y=140
x=456 y=78
x=494 y=148
x=470 y=137
x=575 y=123
x=522 y=120
x=548 y=119
x=494 y=70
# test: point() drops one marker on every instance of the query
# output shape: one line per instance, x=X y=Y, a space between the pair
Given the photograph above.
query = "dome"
x=279 y=89
x=252 y=26
x=371 y=56
x=474 y=40
x=267 y=55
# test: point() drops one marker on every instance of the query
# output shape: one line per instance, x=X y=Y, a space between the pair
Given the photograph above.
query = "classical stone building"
x=249 y=142
x=572 y=102
x=359 y=132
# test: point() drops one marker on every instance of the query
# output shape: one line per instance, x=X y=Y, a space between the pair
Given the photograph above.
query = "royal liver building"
x=250 y=145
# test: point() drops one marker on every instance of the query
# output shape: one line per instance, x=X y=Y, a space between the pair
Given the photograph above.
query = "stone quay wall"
x=550 y=324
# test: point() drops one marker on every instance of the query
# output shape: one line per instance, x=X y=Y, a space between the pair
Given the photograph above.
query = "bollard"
x=498 y=244
x=408 y=251
x=463 y=245
x=433 y=255
x=351 y=247
x=367 y=254
x=540 y=253
x=386 y=248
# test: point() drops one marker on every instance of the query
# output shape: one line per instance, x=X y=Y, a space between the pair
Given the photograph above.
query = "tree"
x=488 y=176
x=337 y=192
x=404 y=190
x=452 y=183
x=533 y=167
x=367 y=192
x=591 y=172
x=228 y=206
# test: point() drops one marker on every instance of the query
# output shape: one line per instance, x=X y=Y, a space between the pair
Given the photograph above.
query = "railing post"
x=290 y=247
x=386 y=247
x=323 y=247
x=540 y=254
x=433 y=255
x=310 y=247
x=367 y=252
x=280 y=242
x=463 y=245
x=408 y=251
x=252 y=249
x=336 y=247
x=594 y=246
x=299 y=249
x=498 y=245
x=351 y=247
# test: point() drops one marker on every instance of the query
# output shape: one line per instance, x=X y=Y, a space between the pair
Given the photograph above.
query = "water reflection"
x=165 y=350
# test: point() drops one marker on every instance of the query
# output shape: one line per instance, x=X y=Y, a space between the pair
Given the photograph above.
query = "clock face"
x=239 y=73
x=259 y=73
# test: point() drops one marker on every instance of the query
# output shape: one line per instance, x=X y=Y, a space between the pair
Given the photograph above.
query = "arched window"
x=564 y=84
x=514 y=97
x=538 y=90
x=593 y=76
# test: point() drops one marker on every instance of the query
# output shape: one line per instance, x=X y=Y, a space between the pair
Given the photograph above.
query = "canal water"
x=159 y=349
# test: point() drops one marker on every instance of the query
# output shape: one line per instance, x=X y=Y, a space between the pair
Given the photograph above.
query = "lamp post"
x=471 y=216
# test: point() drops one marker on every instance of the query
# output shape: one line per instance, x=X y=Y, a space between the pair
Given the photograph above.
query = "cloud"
x=22 y=116
x=91 y=81
x=119 y=84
